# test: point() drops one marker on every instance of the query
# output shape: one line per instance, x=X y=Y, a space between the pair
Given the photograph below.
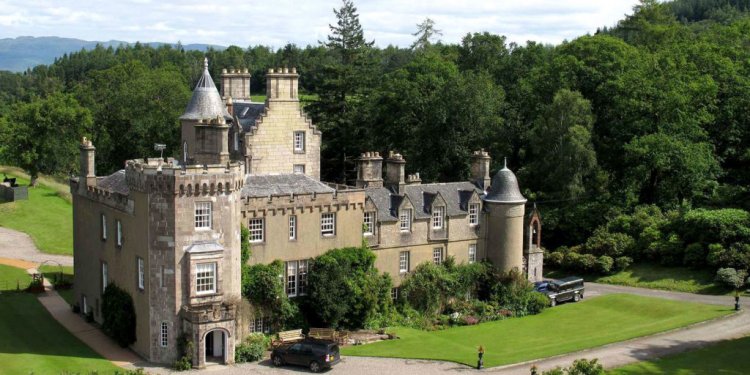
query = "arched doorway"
x=215 y=346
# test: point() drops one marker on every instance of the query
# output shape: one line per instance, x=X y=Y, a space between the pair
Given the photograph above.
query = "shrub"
x=185 y=347
x=265 y=289
x=724 y=226
x=604 y=265
x=470 y=320
x=579 y=367
x=119 y=315
x=613 y=245
x=572 y=260
x=695 y=255
x=428 y=287
x=252 y=349
x=537 y=303
x=554 y=259
x=671 y=250
x=622 y=263
x=587 y=263
x=731 y=277
x=736 y=256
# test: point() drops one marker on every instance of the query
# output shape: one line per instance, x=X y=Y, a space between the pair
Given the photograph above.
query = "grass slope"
x=728 y=357
x=31 y=341
x=10 y=277
x=47 y=216
x=563 y=329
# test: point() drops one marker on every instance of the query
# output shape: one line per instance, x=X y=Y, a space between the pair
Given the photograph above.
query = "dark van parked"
x=314 y=354
x=567 y=289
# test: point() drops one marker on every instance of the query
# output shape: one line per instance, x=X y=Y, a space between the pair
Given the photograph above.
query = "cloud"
x=275 y=23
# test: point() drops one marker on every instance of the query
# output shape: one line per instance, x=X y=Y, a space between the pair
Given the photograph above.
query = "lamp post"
x=480 y=361
x=736 y=300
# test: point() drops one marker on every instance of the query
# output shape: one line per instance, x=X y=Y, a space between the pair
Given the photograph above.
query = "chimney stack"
x=480 y=168
x=395 y=166
x=282 y=85
x=235 y=84
x=88 y=169
x=369 y=170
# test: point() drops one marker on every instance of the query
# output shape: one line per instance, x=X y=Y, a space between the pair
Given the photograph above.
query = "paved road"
x=18 y=245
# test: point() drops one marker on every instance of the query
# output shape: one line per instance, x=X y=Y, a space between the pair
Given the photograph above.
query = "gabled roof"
x=455 y=194
x=247 y=113
x=206 y=101
x=282 y=184
x=114 y=183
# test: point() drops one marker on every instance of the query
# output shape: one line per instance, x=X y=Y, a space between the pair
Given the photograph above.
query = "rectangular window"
x=291 y=278
x=438 y=216
x=328 y=223
x=85 y=304
x=205 y=278
x=403 y=262
x=394 y=294
x=405 y=220
x=474 y=214
x=299 y=141
x=164 y=334
x=299 y=169
x=437 y=255
x=260 y=325
x=118 y=225
x=105 y=276
x=202 y=215
x=302 y=277
x=255 y=226
x=104 y=227
x=141 y=273
x=472 y=253
x=292 y=227
x=369 y=223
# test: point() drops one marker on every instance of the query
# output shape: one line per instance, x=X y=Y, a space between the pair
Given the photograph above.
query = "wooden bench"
x=322 y=333
x=289 y=336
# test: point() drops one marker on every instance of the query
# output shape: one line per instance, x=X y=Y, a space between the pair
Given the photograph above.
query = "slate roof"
x=455 y=194
x=282 y=184
x=504 y=188
x=206 y=101
x=247 y=113
x=114 y=183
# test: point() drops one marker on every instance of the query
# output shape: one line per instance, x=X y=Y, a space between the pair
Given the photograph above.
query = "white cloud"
x=249 y=22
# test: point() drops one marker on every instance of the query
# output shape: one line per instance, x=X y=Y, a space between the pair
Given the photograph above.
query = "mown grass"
x=47 y=216
x=32 y=342
x=563 y=329
x=727 y=357
x=12 y=278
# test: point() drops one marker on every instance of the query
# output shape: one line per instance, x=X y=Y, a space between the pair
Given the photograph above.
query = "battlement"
x=156 y=175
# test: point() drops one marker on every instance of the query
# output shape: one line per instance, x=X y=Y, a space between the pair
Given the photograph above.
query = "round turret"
x=504 y=205
x=206 y=101
x=504 y=188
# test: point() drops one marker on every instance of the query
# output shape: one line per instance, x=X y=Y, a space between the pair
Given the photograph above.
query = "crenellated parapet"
x=159 y=176
x=303 y=203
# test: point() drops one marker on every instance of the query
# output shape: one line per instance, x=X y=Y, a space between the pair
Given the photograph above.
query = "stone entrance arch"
x=215 y=346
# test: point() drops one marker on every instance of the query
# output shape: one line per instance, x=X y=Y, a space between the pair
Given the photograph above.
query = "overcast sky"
x=277 y=22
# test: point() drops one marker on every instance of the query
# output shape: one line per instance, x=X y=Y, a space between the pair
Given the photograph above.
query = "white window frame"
x=328 y=224
x=104 y=227
x=118 y=238
x=369 y=223
x=302 y=269
x=236 y=141
x=85 y=307
x=473 y=213
x=298 y=169
x=141 y=273
x=164 y=334
x=472 y=253
x=292 y=227
x=403 y=261
x=437 y=255
x=260 y=324
x=404 y=217
x=394 y=294
x=105 y=276
x=205 y=278
x=291 y=278
x=299 y=141
x=256 y=227
x=438 y=217
x=203 y=215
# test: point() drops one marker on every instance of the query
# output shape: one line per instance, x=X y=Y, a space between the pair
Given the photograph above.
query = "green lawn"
x=728 y=357
x=52 y=273
x=47 y=216
x=31 y=341
x=654 y=276
x=10 y=277
x=563 y=329
x=305 y=98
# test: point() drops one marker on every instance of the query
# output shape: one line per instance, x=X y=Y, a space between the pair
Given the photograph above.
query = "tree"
x=731 y=277
x=425 y=33
x=119 y=315
x=43 y=135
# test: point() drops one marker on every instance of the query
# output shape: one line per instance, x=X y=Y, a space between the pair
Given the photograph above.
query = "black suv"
x=315 y=354
x=567 y=289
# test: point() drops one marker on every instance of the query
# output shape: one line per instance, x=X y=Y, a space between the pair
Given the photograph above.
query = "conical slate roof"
x=206 y=102
x=504 y=188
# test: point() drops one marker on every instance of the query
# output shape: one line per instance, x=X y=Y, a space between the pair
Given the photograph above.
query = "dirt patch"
x=18 y=263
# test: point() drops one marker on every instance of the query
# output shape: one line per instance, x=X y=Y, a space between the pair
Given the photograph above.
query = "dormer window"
x=405 y=219
x=473 y=213
x=438 y=217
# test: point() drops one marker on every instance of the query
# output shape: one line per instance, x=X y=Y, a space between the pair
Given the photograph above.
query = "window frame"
x=403 y=261
x=105 y=276
x=438 y=217
x=368 y=222
x=164 y=335
x=394 y=293
x=292 y=227
x=140 y=273
x=256 y=227
x=437 y=255
x=290 y=284
x=298 y=141
x=472 y=253
x=328 y=224
x=302 y=272
x=208 y=279
x=405 y=218
x=473 y=216
x=118 y=233
x=203 y=215
x=301 y=171
x=104 y=227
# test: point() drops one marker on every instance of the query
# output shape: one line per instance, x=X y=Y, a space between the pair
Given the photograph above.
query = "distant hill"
x=18 y=54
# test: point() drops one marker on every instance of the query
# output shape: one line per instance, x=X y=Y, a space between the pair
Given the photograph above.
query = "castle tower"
x=205 y=125
x=235 y=84
x=505 y=221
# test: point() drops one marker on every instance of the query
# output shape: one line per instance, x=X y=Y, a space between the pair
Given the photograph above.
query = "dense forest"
x=647 y=120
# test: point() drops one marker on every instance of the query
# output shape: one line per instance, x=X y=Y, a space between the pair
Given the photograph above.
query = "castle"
x=168 y=230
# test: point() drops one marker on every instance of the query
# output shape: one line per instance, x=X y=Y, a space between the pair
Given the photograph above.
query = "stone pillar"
x=369 y=170
x=480 y=168
x=395 y=167
x=88 y=166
